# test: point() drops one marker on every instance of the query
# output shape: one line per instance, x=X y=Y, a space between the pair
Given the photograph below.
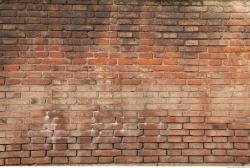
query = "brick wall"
x=118 y=81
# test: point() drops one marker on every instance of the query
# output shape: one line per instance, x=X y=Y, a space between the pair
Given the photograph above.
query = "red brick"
x=197 y=139
x=105 y=146
x=239 y=126
x=196 y=159
x=152 y=139
x=83 y=160
x=196 y=126
x=106 y=152
x=40 y=161
x=11 y=67
x=218 y=152
x=128 y=159
x=173 y=145
x=167 y=68
x=38 y=153
x=219 y=159
x=215 y=63
x=174 y=139
x=196 y=152
x=2 y=81
x=128 y=133
x=126 y=61
x=60 y=160
x=142 y=82
x=218 y=145
x=152 y=113
x=11 y=81
x=106 y=159
x=13 y=147
x=79 y=61
x=101 y=61
x=173 y=159
x=106 y=140
x=242 y=160
x=37 y=147
x=61 y=153
x=128 y=146
x=60 y=146
x=14 y=154
x=149 y=61
x=127 y=82
x=241 y=132
x=36 y=81
x=148 y=152
x=219 y=132
x=12 y=161
x=174 y=132
x=174 y=152
x=235 y=22
x=55 y=61
x=150 y=159
x=129 y=152
x=239 y=152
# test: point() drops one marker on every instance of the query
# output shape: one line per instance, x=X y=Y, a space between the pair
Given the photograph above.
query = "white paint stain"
x=49 y=126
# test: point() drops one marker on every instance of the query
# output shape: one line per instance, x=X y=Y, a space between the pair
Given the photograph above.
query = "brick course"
x=124 y=81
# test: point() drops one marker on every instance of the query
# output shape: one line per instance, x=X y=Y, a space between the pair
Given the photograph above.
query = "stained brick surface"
x=124 y=81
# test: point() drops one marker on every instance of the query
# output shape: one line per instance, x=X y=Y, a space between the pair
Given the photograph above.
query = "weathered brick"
x=173 y=159
x=128 y=133
x=14 y=154
x=142 y=82
x=128 y=159
x=196 y=152
x=220 y=159
x=12 y=161
x=106 y=152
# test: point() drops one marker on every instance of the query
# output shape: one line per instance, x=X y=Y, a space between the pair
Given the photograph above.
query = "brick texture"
x=124 y=81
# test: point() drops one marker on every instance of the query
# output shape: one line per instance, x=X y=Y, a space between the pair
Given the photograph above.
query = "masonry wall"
x=124 y=81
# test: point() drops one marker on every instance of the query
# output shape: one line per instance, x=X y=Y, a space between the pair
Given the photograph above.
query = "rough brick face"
x=124 y=81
